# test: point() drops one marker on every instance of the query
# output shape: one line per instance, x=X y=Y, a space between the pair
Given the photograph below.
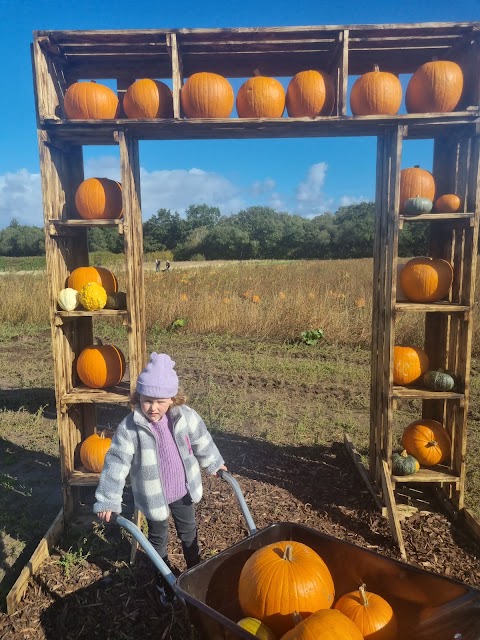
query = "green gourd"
x=438 y=380
x=117 y=300
x=417 y=205
x=404 y=464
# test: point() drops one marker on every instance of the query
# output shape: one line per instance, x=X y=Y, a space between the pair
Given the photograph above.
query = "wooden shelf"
x=83 y=478
x=400 y=392
x=437 y=217
x=442 y=307
x=83 y=132
x=60 y=227
x=90 y=314
x=435 y=474
x=120 y=394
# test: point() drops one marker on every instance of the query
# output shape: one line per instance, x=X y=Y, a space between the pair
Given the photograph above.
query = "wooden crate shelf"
x=57 y=227
x=119 y=57
x=440 y=307
x=403 y=393
x=120 y=394
x=83 y=478
x=438 y=474
x=103 y=132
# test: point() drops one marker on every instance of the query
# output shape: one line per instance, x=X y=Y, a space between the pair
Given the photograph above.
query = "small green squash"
x=438 y=380
x=417 y=205
x=404 y=464
x=117 y=300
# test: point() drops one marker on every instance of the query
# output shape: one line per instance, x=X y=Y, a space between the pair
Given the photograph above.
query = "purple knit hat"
x=159 y=378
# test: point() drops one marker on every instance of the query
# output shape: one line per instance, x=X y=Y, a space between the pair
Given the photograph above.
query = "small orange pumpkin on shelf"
x=435 y=87
x=372 y=614
x=102 y=276
x=310 y=94
x=93 y=451
x=448 y=203
x=101 y=366
x=426 y=279
x=427 y=441
x=409 y=364
x=147 y=98
x=207 y=95
x=90 y=101
x=261 y=97
x=99 y=199
x=376 y=93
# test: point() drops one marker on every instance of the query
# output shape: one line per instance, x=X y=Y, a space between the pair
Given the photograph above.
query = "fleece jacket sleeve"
x=203 y=446
x=117 y=466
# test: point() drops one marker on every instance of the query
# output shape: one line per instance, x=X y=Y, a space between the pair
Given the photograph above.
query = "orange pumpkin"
x=310 y=94
x=376 y=93
x=427 y=441
x=448 y=203
x=147 y=98
x=102 y=276
x=327 y=624
x=409 y=364
x=207 y=95
x=99 y=199
x=434 y=87
x=261 y=97
x=371 y=613
x=426 y=279
x=101 y=366
x=93 y=451
x=90 y=101
x=416 y=182
x=281 y=578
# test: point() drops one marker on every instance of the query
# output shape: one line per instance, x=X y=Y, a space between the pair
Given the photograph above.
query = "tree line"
x=256 y=232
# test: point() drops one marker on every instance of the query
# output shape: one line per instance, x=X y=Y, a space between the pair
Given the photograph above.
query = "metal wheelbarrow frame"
x=428 y=606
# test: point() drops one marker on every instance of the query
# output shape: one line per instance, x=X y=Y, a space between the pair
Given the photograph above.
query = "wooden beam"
x=357 y=461
x=41 y=553
x=389 y=498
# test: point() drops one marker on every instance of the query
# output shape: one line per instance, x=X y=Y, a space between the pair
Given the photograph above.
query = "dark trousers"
x=183 y=513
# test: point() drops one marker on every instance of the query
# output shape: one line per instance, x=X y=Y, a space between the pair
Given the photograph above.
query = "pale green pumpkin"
x=438 y=380
x=417 y=205
x=404 y=464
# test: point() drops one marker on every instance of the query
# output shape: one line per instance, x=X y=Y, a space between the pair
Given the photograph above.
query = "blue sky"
x=306 y=176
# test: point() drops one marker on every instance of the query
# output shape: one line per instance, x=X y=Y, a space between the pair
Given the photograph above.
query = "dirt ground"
x=88 y=590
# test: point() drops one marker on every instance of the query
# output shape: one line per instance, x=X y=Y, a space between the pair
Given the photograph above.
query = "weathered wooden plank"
x=357 y=461
x=177 y=73
x=442 y=307
x=425 y=394
x=120 y=394
x=389 y=498
x=41 y=553
x=429 y=475
x=132 y=213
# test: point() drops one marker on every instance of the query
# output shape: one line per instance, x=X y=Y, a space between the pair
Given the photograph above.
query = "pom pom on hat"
x=159 y=378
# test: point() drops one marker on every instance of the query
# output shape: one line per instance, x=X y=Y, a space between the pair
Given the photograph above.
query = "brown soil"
x=103 y=597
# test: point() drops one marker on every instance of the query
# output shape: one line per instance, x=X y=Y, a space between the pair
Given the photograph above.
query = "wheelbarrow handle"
x=240 y=499
x=148 y=548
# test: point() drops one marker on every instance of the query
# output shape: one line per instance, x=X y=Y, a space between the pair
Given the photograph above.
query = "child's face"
x=155 y=408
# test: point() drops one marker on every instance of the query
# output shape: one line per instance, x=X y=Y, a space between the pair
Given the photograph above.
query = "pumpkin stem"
x=376 y=67
x=364 y=595
x=256 y=72
x=404 y=453
x=432 y=443
x=297 y=618
x=287 y=554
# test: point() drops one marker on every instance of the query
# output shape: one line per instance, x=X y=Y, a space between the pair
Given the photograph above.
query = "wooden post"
x=177 y=73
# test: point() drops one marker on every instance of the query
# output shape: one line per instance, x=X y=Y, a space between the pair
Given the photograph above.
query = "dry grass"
x=259 y=299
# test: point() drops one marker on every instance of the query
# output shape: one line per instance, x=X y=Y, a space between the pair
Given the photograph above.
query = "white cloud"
x=309 y=195
x=179 y=188
x=346 y=201
x=260 y=187
x=21 y=198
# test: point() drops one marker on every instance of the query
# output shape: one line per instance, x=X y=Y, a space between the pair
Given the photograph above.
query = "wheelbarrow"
x=428 y=606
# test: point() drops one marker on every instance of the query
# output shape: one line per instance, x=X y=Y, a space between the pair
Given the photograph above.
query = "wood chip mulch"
x=104 y=597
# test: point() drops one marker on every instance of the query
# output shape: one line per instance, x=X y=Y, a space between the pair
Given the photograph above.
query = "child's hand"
x=104 y=515
x=223 y=468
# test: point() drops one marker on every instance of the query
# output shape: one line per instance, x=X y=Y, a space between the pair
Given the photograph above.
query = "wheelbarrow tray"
x=428 y=606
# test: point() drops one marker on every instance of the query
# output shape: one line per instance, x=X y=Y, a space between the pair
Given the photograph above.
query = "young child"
x=162 y=444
